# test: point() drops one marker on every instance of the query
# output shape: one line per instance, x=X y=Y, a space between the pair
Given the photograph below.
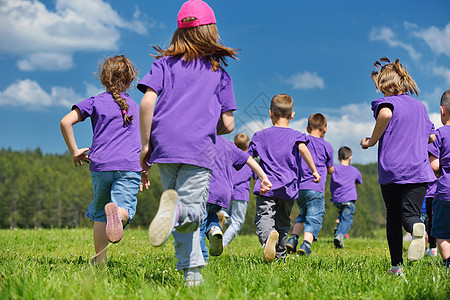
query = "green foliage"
x=54 y=264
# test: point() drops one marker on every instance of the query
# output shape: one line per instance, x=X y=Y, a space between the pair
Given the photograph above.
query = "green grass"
x=54 y=264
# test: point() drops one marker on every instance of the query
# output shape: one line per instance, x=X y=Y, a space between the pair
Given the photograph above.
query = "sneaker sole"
x=416 y=249
x=162 y=225
x=269 y=249
x=216 y=247
x=114 y=226
x=290 y=249
x=302 y=252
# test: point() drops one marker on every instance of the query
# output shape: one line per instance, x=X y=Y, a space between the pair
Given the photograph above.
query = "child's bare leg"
x=100 y=241
x=123 y=216
x=298 y=229
x=308 y=236
x=444 y=248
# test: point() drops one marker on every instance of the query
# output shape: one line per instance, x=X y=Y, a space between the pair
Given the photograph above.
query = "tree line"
x=46 y=191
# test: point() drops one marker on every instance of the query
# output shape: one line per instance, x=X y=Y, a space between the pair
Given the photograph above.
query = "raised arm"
x=78 y=155
x=383 y=119
x=226 y=123
x=145 y=120
x=304 y=152
x=265 y=183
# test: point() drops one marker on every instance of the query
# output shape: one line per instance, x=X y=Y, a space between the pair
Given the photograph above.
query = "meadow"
x=55 y=264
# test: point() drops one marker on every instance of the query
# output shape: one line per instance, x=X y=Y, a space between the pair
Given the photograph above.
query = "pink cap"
x=197 y=9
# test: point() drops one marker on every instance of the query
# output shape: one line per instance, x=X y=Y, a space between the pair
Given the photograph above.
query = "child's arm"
x=226 y=123
x=383 y=118
x=265 y=183
x=304 y=152
x=431 y=138
x=78 y=155
x=434 y=162
x=145 y=120
x=330 y=170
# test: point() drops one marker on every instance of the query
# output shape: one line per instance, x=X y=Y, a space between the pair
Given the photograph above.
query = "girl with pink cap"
x=178 y=132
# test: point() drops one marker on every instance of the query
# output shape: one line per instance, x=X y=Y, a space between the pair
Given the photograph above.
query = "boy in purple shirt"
x=343 y=184
x=440 y=162
x=228 y=158
x=234 y=215
x=278 y=148
x=311 y=200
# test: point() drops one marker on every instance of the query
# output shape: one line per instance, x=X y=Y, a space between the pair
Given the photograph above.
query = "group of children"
x=188 y=103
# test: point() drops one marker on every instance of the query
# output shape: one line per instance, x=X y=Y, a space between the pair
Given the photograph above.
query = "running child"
x=278 y=148
x=195 y=103
x=343 y=185
x=234 y=215
x=113 y=155
x=311 y=199
x=404 y=130
x=228 y=158
x=440 y=162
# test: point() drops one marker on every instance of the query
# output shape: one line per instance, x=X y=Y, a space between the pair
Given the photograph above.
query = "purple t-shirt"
x=115 y=147
x=228 y=157
x=343 y=183
x=442 y=143
x=322 y=154
x=431 y=190
x=241 y=183
x=191 y=99
x=278 y=149
x=402 y=149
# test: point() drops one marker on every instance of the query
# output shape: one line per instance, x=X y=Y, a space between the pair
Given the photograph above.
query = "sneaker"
x=432 y=252
x=397 y=271
x=165 y=219
x=417 y=247
x=291 y=244
x=303 y=250
x=193 y=277
x=215 y=237
x=269 y=247
x=114 y=226
x=338 y=241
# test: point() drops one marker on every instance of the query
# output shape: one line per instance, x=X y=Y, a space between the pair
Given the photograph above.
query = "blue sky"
x=319 y=52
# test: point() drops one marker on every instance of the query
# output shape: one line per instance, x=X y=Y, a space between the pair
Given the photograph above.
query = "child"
x=404 y=129
x=196 y=101
x=311 y=200
x=278 y=148
x=343 y=193
x=235 y=213
x=114 y=154
x=227 y=159
x=440 y=162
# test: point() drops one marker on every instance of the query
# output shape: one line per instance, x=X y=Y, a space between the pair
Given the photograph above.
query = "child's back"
x=342 y=184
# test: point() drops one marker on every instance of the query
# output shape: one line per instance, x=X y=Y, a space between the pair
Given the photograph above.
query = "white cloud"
x=31 y=96
x=306 y=81
x=385 y=34
x=438 y=40
x=46 y=39
x=442 y=72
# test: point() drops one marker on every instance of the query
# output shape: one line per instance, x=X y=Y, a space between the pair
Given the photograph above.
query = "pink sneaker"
x=114 y=226
x=397 y=271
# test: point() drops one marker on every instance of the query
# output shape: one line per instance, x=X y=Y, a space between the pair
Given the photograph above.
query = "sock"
x=307 y=244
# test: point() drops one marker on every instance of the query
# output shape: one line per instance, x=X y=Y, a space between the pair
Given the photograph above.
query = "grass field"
x=54 y=264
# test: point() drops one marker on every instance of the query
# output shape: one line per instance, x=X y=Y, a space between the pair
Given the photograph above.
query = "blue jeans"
x=312 y=208
x=210 y=221
x=236 y=210
x=346 y=212
x=192 y=185
x=119 y=187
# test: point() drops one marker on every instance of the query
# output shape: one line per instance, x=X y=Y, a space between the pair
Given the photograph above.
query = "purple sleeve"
x=226 y=93
x=330 y=156
x=434 y=147
x=252 y=147
x=240 y=158
x=86 y=107
x=430 y=125
x=358 y=177
x=154 y=79
x=301 y=138
x=380 y=103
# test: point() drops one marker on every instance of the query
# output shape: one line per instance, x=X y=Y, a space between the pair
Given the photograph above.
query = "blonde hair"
x=116 y=74
x=242 y=141
x=393 y=78
x=282 y=106
x=317 y=121
x=201 y=41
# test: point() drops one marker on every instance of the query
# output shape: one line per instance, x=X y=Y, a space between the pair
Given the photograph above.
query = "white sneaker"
x=215 y=237
x=417 y=247
x=165 y=219
x=432 y=252
x=270 y=246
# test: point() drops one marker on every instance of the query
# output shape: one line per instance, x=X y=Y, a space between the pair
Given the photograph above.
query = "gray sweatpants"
x=273 y=214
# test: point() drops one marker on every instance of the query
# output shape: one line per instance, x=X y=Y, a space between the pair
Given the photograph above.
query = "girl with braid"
x=114 y=154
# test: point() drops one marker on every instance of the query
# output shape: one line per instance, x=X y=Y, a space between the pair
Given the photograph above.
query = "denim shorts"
x=312 y=208
x=119 y=187
x=441 y=220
